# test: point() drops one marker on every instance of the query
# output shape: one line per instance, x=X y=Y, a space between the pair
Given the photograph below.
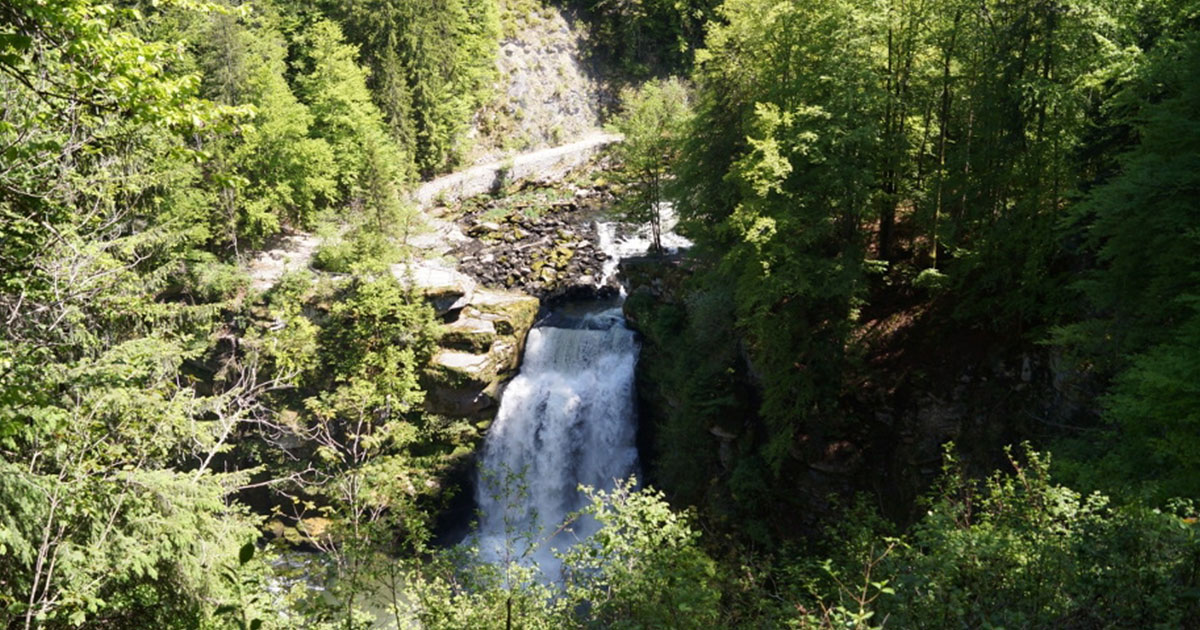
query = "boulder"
x=469 y=334
x=482 y=228
x=662 y=276
x=512 y=313
x=457 y=369
x=446 y=288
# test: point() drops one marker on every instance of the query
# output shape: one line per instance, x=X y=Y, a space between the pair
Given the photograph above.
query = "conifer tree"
x=432 y=66
x=270 y=172
x=371 y=168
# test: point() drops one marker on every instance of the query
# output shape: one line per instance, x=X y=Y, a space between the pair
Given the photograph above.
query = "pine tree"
x=432 y=66
x=270 y=172
x=371 y=168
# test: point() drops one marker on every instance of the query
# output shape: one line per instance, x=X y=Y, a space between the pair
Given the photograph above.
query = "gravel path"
x=548 y=164
x=295 y=251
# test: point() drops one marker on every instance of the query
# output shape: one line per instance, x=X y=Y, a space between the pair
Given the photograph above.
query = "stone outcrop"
x=652 y=280
x=446 y=288
x=480 y=350
x=663 y=276
x=545 y=92
x=287 y=252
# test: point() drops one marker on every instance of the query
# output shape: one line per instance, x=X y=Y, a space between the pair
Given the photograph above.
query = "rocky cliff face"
x=532 y=246
x=546 y=95
x=535 y=245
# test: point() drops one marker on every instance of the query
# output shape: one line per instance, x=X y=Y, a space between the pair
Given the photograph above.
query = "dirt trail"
x=295 y=251
x=548 y=164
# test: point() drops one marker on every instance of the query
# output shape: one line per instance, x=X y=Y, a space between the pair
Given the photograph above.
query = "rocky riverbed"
x=541 y=240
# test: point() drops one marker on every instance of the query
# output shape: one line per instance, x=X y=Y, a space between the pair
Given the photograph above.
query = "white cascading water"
x=636 y=242
x=567 y=419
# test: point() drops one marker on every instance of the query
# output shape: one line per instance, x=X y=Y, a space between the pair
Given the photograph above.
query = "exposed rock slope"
x=541 y=239
x=546 y=95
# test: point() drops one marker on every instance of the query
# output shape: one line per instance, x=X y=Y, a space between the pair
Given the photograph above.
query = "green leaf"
x=246 y=553
x=15 y=41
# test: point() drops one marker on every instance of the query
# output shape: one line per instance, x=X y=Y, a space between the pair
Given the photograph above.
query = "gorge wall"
x=700 y=394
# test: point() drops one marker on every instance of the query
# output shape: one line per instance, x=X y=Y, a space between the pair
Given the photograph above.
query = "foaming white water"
x=636 y=241
x=567 y=419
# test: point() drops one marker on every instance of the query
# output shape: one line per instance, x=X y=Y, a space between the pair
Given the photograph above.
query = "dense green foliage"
x=830 y=123
x=850 y=166
x=271 y=170
x=1142 y=322
x=431 y=68
x=650 y=124
x=640 y=38
x=138 y=397
x=1021 y=175
x=112 y=513
x=869 y=183
x=1013 y=550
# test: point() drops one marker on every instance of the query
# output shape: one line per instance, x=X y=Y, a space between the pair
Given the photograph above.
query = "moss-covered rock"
x=469 y=334
x=481 y=350
x=661 y=276
x=455 y=369
x=512 y=313
x=444 y=287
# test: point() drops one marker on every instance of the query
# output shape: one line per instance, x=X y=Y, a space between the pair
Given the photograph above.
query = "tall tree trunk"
x=887 y=202
x=943 y=137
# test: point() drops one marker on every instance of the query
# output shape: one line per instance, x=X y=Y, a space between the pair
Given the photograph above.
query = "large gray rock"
x=469 y=334
x=545 y=94
x=291 y=252
x=446 y=288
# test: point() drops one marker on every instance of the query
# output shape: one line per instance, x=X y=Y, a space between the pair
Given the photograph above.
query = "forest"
x=931 y=361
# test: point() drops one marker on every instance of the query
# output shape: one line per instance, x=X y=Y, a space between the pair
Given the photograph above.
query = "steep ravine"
x=489 y=269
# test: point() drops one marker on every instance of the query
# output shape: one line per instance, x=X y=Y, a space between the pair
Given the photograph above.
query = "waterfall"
x=567 y=419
